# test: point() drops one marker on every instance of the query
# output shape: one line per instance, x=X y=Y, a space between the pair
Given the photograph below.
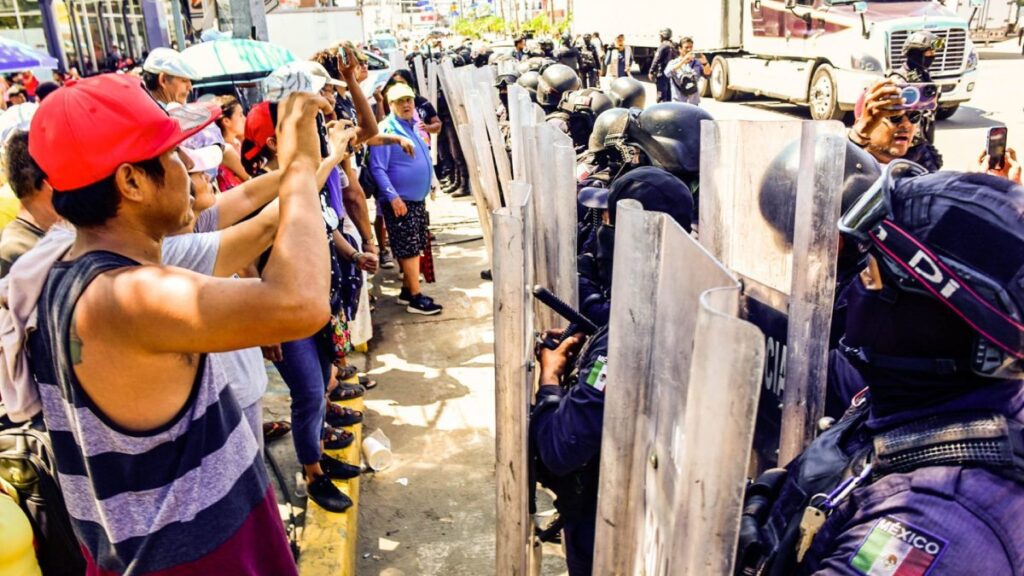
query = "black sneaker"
x=404 y=296
x=420 y=304
x=338 y=470
x=327 y=496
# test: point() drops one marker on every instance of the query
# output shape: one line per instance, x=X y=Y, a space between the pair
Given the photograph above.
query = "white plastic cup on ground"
x=377 y=450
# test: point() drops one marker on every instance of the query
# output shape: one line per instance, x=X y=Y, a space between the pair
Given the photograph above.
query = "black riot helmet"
x=483 y=57
x=674 y=128
x=583 y=107
x=555 y=81
x=604 y=122
x=506 y=78
x=949 y=249
x=535 y=64
x=627 y=92
x=546 y=45
x=589 y=101
x=777 y=194
x=529 y=81
x=566 y=39
x=665 y=33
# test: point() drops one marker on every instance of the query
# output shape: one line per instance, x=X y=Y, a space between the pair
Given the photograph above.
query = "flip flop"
x=275 y=430
x=366 y=382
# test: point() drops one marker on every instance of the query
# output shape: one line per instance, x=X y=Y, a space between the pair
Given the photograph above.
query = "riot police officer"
x=918 y=55
x=565 y=425
x=567 y=54
x=577 y=112
x=924 y=473
x=665 y=53
x=555 y=82
x=589 y=61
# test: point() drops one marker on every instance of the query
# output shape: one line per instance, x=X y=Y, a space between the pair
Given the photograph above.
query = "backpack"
x=26 y=461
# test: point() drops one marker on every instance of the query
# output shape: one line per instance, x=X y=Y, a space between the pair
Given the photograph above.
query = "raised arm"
x=242 y=244
x=169 y=310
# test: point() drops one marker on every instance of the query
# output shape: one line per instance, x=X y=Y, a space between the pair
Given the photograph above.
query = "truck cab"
x=824 y=53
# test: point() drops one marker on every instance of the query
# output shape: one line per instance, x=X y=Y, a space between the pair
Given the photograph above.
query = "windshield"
x=385 y=43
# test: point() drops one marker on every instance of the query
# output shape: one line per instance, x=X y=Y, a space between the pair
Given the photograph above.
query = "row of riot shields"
x=718 y=341
x=525 y=193
x=717 y=346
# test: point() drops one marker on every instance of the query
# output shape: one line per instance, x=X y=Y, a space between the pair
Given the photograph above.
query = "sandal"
x=340 y=417
x=337 y=439
x=346 y=392
x=366 y=383
x=274 y=430
x=347 y=372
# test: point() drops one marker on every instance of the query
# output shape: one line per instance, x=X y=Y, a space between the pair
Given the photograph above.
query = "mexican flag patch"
x=598 y=374
x=895 y=548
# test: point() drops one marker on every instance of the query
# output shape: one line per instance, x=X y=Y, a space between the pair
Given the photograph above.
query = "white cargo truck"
x=817 y=53
x=305 y=31
x=990 y=20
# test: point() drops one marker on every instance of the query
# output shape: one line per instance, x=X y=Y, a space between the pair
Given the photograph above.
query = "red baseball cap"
x=259 y=127
x=82 y=132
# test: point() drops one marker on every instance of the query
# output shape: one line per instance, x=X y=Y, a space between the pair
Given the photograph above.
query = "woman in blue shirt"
x=404 y=182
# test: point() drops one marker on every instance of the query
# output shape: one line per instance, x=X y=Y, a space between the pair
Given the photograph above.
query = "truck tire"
x=822 y=95
x=947 y=112
x=719 y=80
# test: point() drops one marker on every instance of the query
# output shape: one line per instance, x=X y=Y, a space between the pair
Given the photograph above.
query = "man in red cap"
x=160 y=470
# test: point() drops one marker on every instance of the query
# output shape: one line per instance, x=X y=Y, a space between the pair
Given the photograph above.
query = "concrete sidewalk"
x=432 y=511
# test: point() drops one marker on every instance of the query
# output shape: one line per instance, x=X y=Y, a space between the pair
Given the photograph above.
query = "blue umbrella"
x=15 y=57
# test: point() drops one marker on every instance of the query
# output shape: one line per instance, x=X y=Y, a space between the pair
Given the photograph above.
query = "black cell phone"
x=996 y=147
x=321 y=129
x=343 y=56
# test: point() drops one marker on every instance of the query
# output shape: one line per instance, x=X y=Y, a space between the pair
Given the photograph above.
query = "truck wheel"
x=947 y=112
x=719 y=80
x=823 y=96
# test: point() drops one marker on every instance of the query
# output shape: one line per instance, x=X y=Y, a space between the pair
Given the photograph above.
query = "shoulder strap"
x=60 y=295
x=972 y=439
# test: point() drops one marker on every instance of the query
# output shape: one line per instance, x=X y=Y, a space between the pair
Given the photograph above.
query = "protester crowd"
x=166 y=243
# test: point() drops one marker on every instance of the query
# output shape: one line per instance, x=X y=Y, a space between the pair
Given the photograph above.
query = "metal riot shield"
x=782 y=242
x=476 y=187
x=432 y=82
x=513 y=337
x=421 y=75
x=520 y=115
x=551 y=165
x=501 y=153
x=477 y=106
x=664 y=302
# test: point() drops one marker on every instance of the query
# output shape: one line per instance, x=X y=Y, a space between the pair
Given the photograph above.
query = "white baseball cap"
x=169 y=61
x=319 y=72
x=292 y=77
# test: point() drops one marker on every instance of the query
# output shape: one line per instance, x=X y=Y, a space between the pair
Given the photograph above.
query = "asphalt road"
x=998 y=100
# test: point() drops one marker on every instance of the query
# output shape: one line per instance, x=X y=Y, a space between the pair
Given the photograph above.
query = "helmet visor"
x=873 y=206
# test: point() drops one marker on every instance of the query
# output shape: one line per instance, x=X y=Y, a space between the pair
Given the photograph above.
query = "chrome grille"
x=949 y=60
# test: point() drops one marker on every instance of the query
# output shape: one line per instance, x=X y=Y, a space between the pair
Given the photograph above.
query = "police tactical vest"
x=775 y=503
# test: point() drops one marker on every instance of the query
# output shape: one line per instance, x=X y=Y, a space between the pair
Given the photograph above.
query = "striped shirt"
x=191 y=497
